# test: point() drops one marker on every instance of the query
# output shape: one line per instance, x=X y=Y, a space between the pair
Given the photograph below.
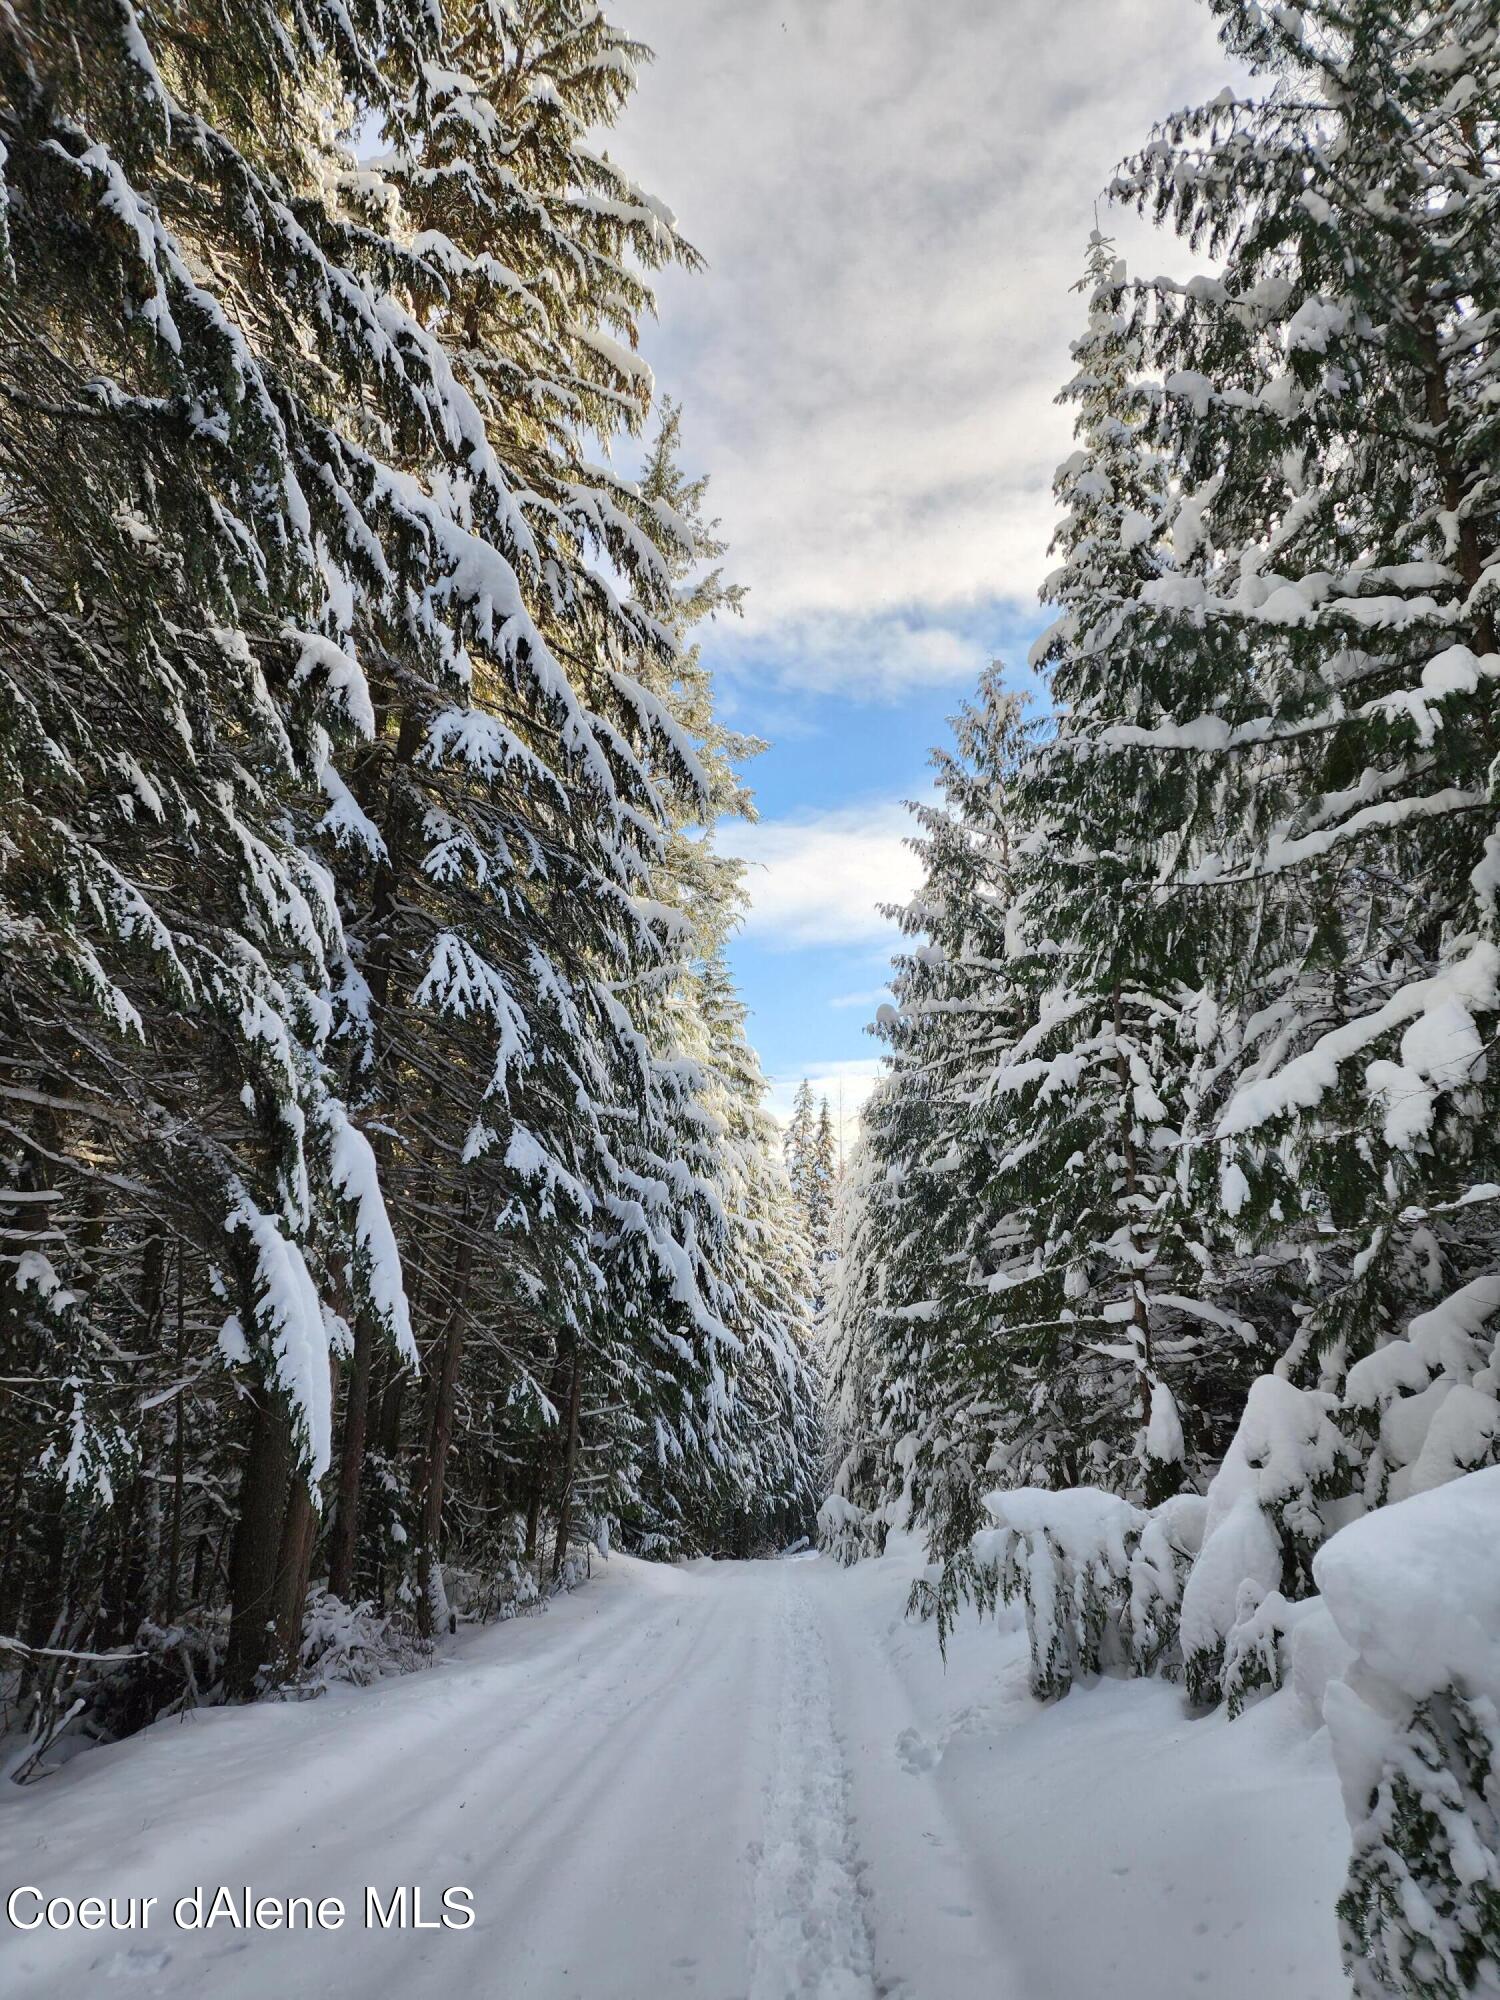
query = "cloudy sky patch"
x=821 y=879
x=894 y=202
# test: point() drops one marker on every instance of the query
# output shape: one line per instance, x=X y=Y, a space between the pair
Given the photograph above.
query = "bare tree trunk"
x=39 y=1544
x=149 y=1552
x=433 y=1470
x=379 y=971
x=264 y=1484
x=570 y=1464
x=345 y=1537
x=179 y=1449
x=46 y=1607
x=299 y=1529
x=533 y=1516
x=391 y=1405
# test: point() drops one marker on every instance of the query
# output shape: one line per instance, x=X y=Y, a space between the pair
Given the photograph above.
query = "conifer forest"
x=481 y=1416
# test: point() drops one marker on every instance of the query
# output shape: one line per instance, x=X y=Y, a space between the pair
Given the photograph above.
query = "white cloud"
x=872 y=998
x=878 y=656
x=820 y=879
x=894 y=202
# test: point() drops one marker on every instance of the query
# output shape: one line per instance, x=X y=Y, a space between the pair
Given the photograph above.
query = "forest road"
x=679 y=1781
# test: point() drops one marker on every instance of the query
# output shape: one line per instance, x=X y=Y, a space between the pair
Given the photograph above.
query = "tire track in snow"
x=376 y=1798
x=810 y=1938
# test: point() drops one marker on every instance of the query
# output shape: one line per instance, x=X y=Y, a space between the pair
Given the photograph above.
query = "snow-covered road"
x=732 y=1779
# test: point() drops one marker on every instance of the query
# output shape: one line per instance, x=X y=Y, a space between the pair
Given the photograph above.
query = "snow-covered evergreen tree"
x=1414 y=1591
x=1328 y=397
x=919 y=1377
x=812 y=1169
x=1121 y=1268
x=825 y=1178
x=350 y=748
x=1237 y=1103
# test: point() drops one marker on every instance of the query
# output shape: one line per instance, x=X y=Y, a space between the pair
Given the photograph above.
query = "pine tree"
x=734 y=1450
x=1328 y=395
x=347 y=807
x=1186 y=987
x=1119 y=961
x=171 y=592
x=917 y=1375
x=799 y=1142
x=823 y=1179
x=850 y=1522
x=812 y=1169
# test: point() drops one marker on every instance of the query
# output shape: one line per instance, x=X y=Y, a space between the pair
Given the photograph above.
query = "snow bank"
x=1106 y=1845
x=1100 y=1578
x=1268 y=1512
x=1414 y=1590
x=1067 y=1556
x=1320 y=1655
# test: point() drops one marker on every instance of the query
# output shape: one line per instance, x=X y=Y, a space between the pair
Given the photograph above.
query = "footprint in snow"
x=916 y=1753
x=137 y=1963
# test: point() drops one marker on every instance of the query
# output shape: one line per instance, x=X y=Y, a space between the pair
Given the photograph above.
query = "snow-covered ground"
x=723 y=1779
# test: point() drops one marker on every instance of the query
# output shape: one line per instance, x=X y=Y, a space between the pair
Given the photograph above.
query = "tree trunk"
x=533 y=1516
x=1469 y=555
x=46 y=1605
x=179 y=1448
x=570 y=1465
x=379 y=972
x=434 y=1467
x=345 y=1538
x=257 y=1543
x=37 y=1547
x=10 y=1565
x=1140 y=1316
x=391 y=1403
x=299 y=1529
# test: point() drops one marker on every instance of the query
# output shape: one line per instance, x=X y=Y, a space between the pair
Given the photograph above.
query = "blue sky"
x=813 y=958
x=894 y=203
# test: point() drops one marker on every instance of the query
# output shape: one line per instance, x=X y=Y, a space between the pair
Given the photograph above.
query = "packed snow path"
x=743 y=1781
